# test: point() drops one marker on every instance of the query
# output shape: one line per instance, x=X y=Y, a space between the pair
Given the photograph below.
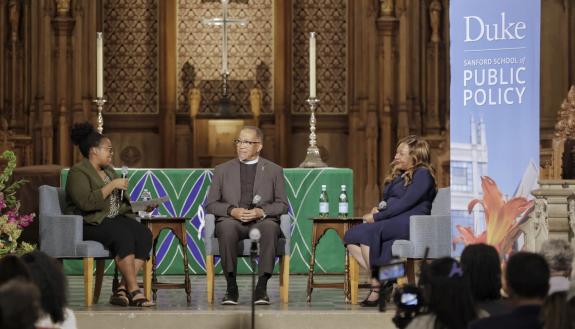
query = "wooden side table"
x=178 y=226
x=340 y=225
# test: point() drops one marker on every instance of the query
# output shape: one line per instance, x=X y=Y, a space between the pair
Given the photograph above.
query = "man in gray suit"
x=231 y=199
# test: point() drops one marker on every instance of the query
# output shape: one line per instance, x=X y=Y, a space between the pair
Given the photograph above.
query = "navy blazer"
x=415 y=198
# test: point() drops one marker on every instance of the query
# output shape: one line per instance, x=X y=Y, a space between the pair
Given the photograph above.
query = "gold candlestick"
x=313 y=157
x=100 y=104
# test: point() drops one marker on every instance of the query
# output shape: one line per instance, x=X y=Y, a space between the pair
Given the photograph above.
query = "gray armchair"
x=433 y=231
x=212 y=249
x=61 y=236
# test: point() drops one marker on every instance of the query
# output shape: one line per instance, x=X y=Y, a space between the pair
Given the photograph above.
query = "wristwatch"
x=229 y=211
x=263 y=212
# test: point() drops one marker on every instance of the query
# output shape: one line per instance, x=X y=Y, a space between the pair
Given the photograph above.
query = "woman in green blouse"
x=93 y=190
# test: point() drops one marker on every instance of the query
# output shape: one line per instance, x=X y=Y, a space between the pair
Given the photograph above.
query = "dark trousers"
x=230 y=231
x=121 y=235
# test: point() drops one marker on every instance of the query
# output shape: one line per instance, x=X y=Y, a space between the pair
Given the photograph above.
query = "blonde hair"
x=420 y=157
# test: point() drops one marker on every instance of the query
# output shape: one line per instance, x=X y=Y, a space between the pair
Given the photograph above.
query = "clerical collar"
x=249 y=162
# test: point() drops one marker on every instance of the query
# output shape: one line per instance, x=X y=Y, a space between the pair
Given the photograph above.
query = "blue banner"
x=494 y=121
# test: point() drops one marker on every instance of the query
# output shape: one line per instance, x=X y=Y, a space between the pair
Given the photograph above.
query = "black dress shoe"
x=261 y=296
x=231 y=296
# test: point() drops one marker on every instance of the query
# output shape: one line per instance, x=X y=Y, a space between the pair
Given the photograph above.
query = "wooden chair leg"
x=115 y=282
x=410 y=270
x=100 y=267
x=88 y=266
x=284 y=278
x=210 y=277
x=148 y=278
x=353 y=279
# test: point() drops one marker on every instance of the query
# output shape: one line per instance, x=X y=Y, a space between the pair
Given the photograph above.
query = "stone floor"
x=327 y=309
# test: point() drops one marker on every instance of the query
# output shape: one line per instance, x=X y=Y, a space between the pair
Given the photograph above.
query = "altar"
x=187 y=191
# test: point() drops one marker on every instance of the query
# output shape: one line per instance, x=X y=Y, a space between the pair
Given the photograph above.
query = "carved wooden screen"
x=328 y=19
x=250 y=54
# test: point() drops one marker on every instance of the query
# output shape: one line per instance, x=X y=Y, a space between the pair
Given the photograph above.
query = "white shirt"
x=69 y=321
x=558 y=283
x=249 y=162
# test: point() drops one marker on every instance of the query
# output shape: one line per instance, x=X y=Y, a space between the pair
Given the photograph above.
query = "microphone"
x=255 y=201
x=382 y=205
x=255 y=236
x=124 y=175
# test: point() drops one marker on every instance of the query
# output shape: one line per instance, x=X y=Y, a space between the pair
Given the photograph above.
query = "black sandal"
x=371 y=303
x=120 y=297
x=139 y=302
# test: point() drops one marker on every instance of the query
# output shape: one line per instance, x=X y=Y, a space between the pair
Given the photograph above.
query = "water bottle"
x=145 y=196
x=343 y=205
x=323 y=202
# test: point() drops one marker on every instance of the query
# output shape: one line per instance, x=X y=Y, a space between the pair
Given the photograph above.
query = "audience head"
x=47 y=274
x=249 y=143
x=447 y=293
x=559 y=256
x=92 y=144
x=19 y=308
x=12 y=267
x=482 y=268
x=527 y=276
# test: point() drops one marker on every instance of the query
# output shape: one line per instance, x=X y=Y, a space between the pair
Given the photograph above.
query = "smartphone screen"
x=408 y=299
x=391 y=271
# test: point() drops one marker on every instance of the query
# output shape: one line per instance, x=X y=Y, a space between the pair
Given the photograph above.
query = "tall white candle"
x=99 y=66
x=312 y=65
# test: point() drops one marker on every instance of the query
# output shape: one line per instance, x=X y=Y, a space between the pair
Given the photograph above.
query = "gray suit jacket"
x=225 y=190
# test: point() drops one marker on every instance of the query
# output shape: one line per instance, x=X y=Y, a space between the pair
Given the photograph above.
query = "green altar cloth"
x=187 y=190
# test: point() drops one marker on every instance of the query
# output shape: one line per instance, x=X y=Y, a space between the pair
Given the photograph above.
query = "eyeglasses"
x=108 y=148
x=239 y=142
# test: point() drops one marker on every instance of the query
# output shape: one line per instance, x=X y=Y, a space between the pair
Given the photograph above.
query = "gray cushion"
x=442 y=202
x=428 y=231
x=402 y=248
x=90 y=248
x=61 y=236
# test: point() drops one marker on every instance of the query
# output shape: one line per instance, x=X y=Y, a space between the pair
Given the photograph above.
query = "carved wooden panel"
x=250 y=53
x=327 y=18
x=131 y=56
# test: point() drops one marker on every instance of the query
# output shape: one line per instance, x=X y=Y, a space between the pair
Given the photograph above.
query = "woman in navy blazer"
x=409 y=190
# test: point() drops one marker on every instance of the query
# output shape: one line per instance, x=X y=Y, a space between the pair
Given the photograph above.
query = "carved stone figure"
x=195 y=99
x=386 y=7
x=435 y=19
x=536 y=228
x=14 y=18
x=63 y=7
x=256 y=101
